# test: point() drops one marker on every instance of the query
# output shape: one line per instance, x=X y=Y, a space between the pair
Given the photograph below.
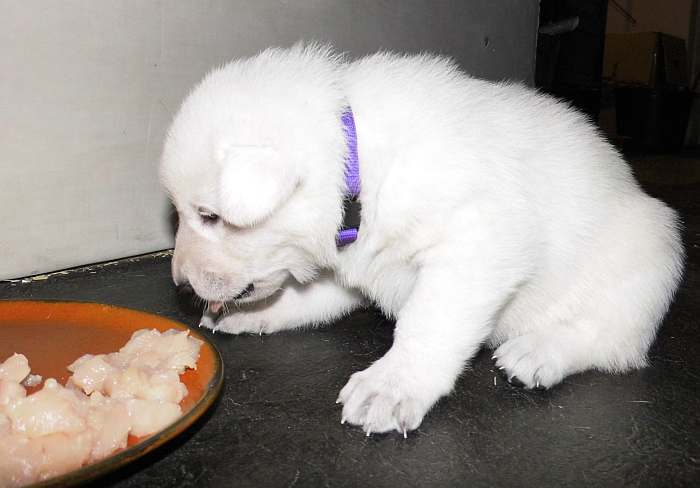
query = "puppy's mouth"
x=215 y=306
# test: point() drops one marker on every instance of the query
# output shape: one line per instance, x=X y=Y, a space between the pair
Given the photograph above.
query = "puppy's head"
x=253 y=162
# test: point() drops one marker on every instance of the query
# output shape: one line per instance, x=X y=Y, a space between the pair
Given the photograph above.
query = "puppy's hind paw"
x=532 y=361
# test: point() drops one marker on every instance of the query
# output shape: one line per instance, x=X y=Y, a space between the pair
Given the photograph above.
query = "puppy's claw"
x=369 y=432
x=405 y=435
x=342 y=421
x=494 y=357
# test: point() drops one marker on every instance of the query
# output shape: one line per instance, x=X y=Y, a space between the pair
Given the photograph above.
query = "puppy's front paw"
x=235 y=324
x=242 y=324
x=385 y=397
x=207 y=321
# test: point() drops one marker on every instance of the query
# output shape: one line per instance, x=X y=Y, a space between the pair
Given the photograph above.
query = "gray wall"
x=87 y=88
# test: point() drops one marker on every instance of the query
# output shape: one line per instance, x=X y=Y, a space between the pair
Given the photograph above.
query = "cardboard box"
x=650 y=59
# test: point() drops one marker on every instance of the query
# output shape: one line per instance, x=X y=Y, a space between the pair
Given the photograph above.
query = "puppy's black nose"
x=185 y=288
x=187 y=299
x=248 y=290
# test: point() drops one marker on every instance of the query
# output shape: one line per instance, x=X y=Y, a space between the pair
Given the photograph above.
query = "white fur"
x=490 y=214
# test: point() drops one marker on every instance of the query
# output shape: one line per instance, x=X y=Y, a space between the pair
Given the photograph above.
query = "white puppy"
x=490 y=214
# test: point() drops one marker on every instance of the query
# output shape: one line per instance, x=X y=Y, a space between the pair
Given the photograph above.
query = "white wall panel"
x=87 y=88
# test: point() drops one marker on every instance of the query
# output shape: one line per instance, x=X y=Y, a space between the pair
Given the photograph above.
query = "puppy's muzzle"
x=247 y=291
x=185 y=288
x=215 y=307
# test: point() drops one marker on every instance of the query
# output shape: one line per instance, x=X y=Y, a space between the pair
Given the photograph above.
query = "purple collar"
x=351 y=204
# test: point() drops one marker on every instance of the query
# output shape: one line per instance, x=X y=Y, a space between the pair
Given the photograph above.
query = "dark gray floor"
x=277 y=424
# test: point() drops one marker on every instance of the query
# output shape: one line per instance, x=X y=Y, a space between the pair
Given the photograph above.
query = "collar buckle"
x=347 y=234
x=352 y=208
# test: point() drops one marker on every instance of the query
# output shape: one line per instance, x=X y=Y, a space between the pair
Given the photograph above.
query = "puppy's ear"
x=254 y=182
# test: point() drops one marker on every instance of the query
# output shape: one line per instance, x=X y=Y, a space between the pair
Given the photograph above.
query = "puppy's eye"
x=208 y=217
